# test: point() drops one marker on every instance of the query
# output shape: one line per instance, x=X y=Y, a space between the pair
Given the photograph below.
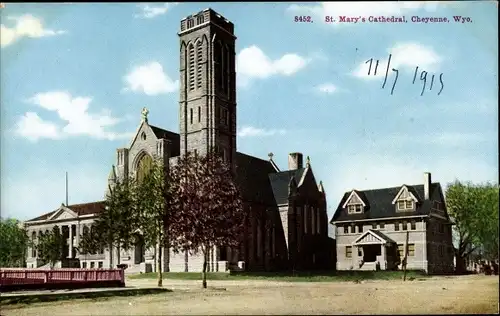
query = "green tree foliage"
x=51 y=246
x=90 y=242
x=207 y=210
x=152 y=196
x=474 y=208
x=114 y=226
x=13 y=243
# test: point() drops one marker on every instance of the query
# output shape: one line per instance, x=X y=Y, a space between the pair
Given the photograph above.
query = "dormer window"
x=355 y=208
x=405 y=200
x=354 y=204
x=404 y=205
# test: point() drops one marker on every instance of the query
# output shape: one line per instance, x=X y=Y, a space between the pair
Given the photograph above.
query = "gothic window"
x=199 y=19
x=144 y=167
x=199 y=64
x=222 y=78
x=199 y=114
x=306 y=218
x=313 y=221
x=191 y=115
x=218 y=65
x=191 y=67
x=228 y=68
x=190 y=23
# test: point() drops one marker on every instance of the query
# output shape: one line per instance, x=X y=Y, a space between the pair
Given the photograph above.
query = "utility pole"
x=406 y=255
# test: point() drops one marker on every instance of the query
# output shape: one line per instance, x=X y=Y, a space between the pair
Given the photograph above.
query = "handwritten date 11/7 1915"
x=423 y=76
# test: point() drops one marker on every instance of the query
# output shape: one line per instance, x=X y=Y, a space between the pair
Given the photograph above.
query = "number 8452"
x=302 y=18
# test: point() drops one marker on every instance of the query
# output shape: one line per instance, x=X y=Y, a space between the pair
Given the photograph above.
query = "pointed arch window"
x=228 y=68
x=199 y=64
x=144 y=166
x=191 y=67
x=222 y=78
x=218 y=65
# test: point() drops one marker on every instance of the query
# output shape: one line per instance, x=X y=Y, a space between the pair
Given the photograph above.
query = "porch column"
x=384 y=257
x=77 y=233
x=70 y=255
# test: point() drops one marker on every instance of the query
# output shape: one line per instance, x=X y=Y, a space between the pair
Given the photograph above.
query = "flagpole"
x=66 y=188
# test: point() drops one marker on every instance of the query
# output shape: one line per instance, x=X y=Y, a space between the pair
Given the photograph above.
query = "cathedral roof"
x=80 y=209
x=175 y=138
x=252 y=177
x=280 y=181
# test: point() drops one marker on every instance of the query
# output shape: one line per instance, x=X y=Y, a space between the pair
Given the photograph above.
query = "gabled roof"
x=411 y=190
x=253 y=180
x=80 y=209
x=279 y=183
x=380 y=205
x=175 y=138
x=359 y=194
x=383 y=238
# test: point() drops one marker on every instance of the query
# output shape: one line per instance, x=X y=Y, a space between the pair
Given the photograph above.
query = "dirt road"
x=448 y=295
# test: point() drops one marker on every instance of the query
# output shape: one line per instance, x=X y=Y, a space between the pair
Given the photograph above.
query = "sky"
x=74 y=78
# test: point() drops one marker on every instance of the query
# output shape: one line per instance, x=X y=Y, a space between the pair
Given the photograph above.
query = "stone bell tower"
x=207 y=102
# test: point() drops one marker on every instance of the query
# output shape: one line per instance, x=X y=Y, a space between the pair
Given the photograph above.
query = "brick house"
x=371 y=228
x=287 y=226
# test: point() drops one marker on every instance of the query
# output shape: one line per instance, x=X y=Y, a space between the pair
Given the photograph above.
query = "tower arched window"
x=199 y=63
x=227 y=59
x=191 y=67
x=222 y=82
x=144 y=166
x=218 y=65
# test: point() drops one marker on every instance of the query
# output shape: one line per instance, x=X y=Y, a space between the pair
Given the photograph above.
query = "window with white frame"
x=405 y=204
x=355 y=208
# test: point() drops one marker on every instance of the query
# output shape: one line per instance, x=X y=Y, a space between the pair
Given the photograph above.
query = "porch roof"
x=373 y=237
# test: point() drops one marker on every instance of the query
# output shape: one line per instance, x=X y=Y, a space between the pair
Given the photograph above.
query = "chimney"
x=295 y=161
x=427 y=185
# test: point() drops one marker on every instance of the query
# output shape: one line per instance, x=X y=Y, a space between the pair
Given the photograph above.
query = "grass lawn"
x=328 y=276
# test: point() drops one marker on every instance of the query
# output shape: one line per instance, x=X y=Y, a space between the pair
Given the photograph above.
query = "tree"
x=51 y=246
x=115 y=225
x=89 y=242
x=152 y=196
x=474 y=208
x=208 y=209
x=14 y=243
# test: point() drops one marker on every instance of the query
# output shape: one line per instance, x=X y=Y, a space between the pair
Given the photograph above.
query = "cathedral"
x=288 y=225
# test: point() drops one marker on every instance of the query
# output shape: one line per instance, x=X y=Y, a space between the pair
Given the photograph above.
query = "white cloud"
x=250 y=131
x=326 y=88
x=150 y=79
x=253 y=63
x=405 y=56
x=32 y=127
x=363 y=9
x=72 y=110
x=150 y=11
x=26 y=26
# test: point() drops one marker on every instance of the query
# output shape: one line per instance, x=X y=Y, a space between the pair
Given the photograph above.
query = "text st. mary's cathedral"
x=287 y=226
